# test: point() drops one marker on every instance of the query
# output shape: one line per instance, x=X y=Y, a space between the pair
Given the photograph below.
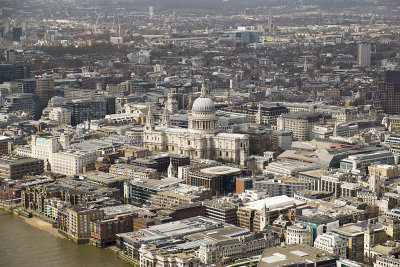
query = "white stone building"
x=213 y=251
x=300 y=123
x=299 y=234
x=150 y=256
x=332 y=243
x=60 y=115
x=386 y=262
x=282 y=186
x=201 y=140
x=57 y=156
x=71 y=162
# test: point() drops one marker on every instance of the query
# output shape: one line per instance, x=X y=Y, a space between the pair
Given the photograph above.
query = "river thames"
x=24 y=245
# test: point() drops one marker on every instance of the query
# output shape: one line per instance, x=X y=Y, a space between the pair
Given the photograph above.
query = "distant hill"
x=231 y=5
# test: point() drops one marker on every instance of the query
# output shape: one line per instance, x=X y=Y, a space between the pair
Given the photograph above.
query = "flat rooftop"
x=220 y=170
x=156 y=184
x=6 y=161
x=374 y=155
x=313 y=173
x=120 y=209
x=293 y=254
x=156 y=233
x=103 y=177
x=272 y=203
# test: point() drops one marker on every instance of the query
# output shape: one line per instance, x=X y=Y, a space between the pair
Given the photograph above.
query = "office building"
x=221 y=211
x=27 y=86
x=249 y=37
x=243 y=184
x=359 y=163
x=224 y=246
x=364 y=55
x=385 y=261
x=97 y=82
x=281 y=140
x=282 y=186
x=134 y=172
x=22 y=103
x=183 y=194
x=9 y=72
x=353 y=233
x=389 y=95
x=121 y=101
x=43 y=148
x=86 y=109
x=72 y=162
x=152 y=256
x=263 y=114
x=220 y=179
x=299 y=234
x=131 y=243
x=331 y=243
x=45 y=91
x=61 y=115
x=296 y=255
x=256 y=215
x=300 y=123
x=16 y=168
x=16 y=34
x=140 y=191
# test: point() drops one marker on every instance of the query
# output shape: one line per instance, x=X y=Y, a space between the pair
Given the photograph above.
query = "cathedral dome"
x=203 y=104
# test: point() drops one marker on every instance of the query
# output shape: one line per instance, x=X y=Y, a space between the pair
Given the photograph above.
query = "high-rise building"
x=16 y=34
x=6 y=27
x=86 y=108
x=151 y=11
x=60 y=115
x=10 y=72
x=270 y=25
x=300 y=123
x=27 y=86
x=23 y=26
x=15 y=168
x=389 y=92
x=21 y=103
x=364 y=55
x=250 y=37
x=45 y=91
x=11 y=55
x=393 y=77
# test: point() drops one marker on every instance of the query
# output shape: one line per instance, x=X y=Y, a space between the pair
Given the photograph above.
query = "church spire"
x=149 y=120
x=203 y=89
x=166 y=121
x=259 y=114
x=335 y=129
x=171 y=169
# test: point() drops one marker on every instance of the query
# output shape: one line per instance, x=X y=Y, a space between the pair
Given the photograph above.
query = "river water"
x=24 y=245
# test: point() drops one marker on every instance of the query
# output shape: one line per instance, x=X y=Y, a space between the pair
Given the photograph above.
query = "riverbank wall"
x=15 y=210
